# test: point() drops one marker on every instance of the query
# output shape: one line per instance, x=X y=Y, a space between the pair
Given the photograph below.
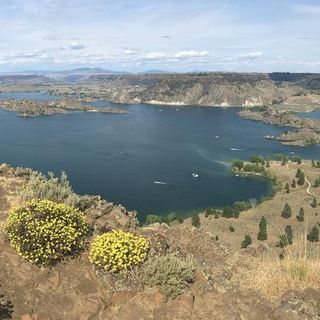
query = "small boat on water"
x=195 y=175
x=217 y=137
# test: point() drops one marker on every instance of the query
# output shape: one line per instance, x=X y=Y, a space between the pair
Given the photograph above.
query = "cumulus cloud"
x=155 y=55
x=191 y=54
x=77 y=45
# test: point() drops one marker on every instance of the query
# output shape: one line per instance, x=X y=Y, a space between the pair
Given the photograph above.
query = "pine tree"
x=313 y=235
x=314 y=203
x=246 y=242
x=298 y=173
x=287 y=188
x=262 y=234
x=300 y=216
x=293 y=184
x=301 y=179
x=195 y=220
x=289 y=233
x=286 y=212
x=317 y=183
x=313 y=164
x=268 y=164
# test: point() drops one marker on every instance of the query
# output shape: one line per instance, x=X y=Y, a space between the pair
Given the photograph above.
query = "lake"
x=155 y=159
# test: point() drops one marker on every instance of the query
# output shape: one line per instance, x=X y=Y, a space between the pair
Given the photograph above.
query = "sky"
x=176 y=35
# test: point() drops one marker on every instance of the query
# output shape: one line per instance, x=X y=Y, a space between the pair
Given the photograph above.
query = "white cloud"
x=191 y=54
x=155 y=55
x=77 y=46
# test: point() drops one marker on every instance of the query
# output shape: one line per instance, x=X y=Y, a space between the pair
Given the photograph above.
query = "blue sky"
x=212 y=35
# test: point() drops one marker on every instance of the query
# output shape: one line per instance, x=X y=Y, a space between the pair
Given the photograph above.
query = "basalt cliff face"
x=206 y=89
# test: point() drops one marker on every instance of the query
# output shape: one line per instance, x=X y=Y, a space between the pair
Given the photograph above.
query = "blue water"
x=120 y=156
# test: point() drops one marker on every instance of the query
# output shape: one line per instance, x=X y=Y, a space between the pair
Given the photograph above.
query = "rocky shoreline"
x=307 y=130
x=35 y=108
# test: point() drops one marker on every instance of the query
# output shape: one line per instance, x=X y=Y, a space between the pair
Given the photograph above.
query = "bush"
x=50 y=188
x=242 y=205
x=152 y=218
x=286 y=212
x=44 y=232
x=246 y=242
x=118 y=250
x=171 y=273
x=314 y=203
x=313 y=235
x=195 y=220
x=300 y=216
x=231 y=229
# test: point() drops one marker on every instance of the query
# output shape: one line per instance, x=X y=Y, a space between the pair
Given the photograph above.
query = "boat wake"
x=159 y=182
x=236 y=149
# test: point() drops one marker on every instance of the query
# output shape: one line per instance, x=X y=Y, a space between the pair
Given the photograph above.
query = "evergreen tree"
x=293 y=184
x=314 y=203
x=286 y=212
x=298 y=173
x=313 y=235
x=195 y=220
x=268 y=164
x=246 y=242
x=287 y=188
x=301 y=179
x=317 y=183
x=289 y=233
x=300 y=216
x=313 y=164
x=262 y=234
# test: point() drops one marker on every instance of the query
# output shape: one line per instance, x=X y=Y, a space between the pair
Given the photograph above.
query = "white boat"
x=195 y=175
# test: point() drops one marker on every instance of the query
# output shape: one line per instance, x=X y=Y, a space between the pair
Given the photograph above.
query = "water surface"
x=122 y=156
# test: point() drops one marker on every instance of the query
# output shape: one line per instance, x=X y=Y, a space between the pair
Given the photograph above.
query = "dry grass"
x=273 y=276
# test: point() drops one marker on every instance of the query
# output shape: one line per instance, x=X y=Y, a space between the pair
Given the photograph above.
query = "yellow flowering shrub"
x=118 y=250
x=43 y=231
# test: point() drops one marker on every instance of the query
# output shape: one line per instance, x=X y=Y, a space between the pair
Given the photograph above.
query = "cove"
x=153 y=159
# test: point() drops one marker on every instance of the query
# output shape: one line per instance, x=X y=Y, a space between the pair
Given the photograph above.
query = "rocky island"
x=35 y=108
x=307 y=133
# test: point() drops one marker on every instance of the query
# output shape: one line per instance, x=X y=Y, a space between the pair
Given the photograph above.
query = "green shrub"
x=231 y=229
x=43 y=232
x=51 y=188
x=169 y=272
x=118 y=250
x=246 y=242
x=286 y=212
x=195 y=220
x=152 y=218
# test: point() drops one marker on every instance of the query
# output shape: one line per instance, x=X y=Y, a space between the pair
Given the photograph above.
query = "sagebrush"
x=169 y=272
x=57 y=189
